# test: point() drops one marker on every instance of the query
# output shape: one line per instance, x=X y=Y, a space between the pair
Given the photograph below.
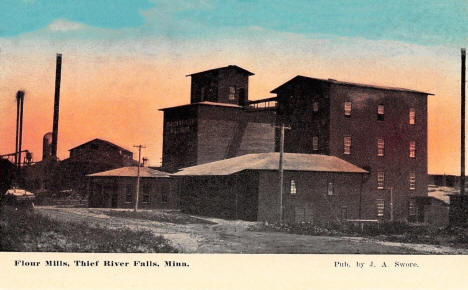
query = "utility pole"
x=137 y=192
x=462 y=170
x=281 y=165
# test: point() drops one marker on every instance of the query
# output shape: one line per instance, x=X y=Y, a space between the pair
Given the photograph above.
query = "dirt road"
x=233 y=237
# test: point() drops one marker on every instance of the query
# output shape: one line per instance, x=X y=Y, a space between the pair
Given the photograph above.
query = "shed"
x=316 y=188
x=116 y=188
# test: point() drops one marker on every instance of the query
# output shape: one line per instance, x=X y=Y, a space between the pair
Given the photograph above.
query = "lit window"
x=380 y=147
x=315 y=106
x=232 y=93
x=380 y=207
x=411 y=207
x=347 y=145
x=347 y=109
x=380 y=179
x=380 y=112
x=412 y=149
x=330 y=188
x=292 y=189
x=412 y=180
x=315 y=141
x=412 y=115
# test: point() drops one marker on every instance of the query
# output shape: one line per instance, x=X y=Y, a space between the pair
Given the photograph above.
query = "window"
x=380 y=112
x=315 y=143
x=129 y=193
x=315 y=106
x=412 y=180
x=232 y=93
x=380 y=207
x=330 y=188
x=380 y=147
x=344 y=213
x=145 y=198
x=164 y=197
x=292 y=188
x=412 y=116
x=411 y=207
x=380 y=179
x=347 y=109
x=412 y=149
x=347 y=145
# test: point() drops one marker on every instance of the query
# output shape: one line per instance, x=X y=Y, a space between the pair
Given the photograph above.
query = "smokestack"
x=462 y=173
x=58 y=76
x=20 y=141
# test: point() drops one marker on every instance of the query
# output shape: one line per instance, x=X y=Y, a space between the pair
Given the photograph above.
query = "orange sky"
x=115 y=94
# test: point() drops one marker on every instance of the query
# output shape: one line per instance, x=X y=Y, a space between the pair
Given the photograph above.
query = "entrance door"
x=114 y=200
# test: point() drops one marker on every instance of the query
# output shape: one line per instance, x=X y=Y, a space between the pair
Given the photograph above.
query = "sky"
x=124 y=60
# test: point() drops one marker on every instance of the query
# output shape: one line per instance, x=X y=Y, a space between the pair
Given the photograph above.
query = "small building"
x=316 y=188
x=117 y=188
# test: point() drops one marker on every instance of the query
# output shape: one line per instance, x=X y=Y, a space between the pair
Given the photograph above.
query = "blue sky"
x=420 y=22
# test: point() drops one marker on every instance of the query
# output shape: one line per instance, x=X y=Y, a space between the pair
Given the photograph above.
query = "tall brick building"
x=380 y=129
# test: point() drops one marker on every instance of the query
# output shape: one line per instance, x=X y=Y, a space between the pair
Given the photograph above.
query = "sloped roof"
x=97 y=140
x=269 y=161
x=303 y=79
x=222 y=68
x=130 y=171
x=204 y=103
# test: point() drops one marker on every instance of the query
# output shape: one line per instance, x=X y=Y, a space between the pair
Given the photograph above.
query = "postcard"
x=233 y=144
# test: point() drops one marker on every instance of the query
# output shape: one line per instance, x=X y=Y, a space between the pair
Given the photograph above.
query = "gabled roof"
x=130 y=171
x=269 y=161
x=223 y=68
x=204 y=103
x=304 y=79
x=97 y=140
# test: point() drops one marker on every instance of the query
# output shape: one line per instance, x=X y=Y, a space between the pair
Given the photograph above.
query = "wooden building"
x=317 y=188
x=380 y=129
x=116 y=188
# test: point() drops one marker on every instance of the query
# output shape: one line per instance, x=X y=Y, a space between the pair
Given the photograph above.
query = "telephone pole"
x=137 y=192
x=281 y=170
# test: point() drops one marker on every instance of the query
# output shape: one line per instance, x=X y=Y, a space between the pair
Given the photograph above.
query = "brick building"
x=318 y=188
x=218 y=123
x=380 y=129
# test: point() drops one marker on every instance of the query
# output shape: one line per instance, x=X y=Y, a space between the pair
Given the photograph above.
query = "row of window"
x=380 y=112
x=381 y=180
x=145 y=194
x=380 y=146
x=380 y=204
x=380 y=183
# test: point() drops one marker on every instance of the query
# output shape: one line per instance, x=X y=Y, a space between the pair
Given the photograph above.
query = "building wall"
x=296 y=109
x=364 y=128
x=180 y=138
x=232 y=197
x=233 y=78
x=204 y=87
x=225 y=132
x=311 y=203
x=112 y=192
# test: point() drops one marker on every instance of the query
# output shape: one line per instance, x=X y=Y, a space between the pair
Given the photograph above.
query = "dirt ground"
x=226 y=236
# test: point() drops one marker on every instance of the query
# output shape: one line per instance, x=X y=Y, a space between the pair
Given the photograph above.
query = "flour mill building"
x=380 y=130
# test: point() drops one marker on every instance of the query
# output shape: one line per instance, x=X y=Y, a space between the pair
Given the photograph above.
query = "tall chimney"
x=20 y=94
x=58 y=75
x=18 y=102
x=462 y=171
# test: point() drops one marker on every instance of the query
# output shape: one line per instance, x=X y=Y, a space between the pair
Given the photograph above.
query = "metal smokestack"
x=20 y=140
x=19 y=126
x=58 y=76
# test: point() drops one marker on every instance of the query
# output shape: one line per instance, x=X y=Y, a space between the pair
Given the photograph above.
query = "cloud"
x=64 y=25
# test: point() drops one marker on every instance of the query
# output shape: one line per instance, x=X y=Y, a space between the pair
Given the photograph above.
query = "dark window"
x=164 y=197
x=315 y=106
x=145 y=198
x=94 y=146
x=344 y=213
x=347 y=145
x=380 y=112
x=232 y=93
x=380 y=179
x=412 y=149
x=412 y=180
x=315 y=143
x=380 y=147
x=347 y=109
x=380 y=207
x=129 y=193
x=330 y=188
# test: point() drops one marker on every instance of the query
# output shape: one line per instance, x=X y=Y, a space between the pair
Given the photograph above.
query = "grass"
x=26 y=231
x=168 y=217
x=391 y=232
